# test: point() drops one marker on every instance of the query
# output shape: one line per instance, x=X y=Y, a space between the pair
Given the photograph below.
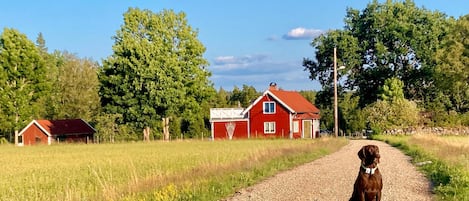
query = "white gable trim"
x=267 y=92
x=38 y=125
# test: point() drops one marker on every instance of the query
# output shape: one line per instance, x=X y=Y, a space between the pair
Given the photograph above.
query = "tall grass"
x=449 y=170
x=184 y=170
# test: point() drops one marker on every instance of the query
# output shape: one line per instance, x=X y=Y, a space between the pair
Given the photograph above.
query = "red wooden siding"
x=300 y=128
x=281 y=117
x=240 y=131
x=34 y=135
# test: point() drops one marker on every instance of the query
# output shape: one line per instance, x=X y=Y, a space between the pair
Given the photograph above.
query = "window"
x=38 y=140
x=269 y=127
x=269 y=107
x=296 y=126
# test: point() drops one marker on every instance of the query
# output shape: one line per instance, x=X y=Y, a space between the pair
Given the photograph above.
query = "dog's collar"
x=369 y=170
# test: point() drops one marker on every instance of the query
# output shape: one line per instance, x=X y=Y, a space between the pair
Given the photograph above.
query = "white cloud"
x=301 y=33
x=232 y=62
x=259 y=72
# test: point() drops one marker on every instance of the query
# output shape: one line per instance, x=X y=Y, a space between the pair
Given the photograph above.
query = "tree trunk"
x=146 y=134
x=165 y=128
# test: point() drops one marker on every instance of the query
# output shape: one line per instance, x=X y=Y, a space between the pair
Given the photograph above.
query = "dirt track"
x=332 y=177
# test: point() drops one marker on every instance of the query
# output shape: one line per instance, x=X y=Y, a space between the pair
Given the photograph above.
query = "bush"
x=4 y=141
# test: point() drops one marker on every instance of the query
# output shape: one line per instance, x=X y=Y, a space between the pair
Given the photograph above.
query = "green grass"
x=184 y=170
x=449 y=170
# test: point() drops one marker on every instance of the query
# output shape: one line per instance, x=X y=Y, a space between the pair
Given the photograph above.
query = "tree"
x=384 y=40
x=157 y=70
x=309 y=95
x=76 y=88
x=452 y=70
x=393 y=111
x=41 y=43
x=351 y=116
x=23 y=80
x=244 y=97
x=392 y=90
x=50 y=64
x=221 y=98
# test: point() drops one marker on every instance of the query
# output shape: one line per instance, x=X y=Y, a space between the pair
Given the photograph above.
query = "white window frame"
x=269 y=127
x=266 y=107
x=296 y=126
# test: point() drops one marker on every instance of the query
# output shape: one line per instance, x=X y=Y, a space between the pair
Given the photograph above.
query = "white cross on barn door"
x=230 y=127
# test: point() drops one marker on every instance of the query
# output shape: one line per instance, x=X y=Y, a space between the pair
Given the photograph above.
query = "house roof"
x=62 y=127
x=292 y=100
x=308 y=116
x=295 y=101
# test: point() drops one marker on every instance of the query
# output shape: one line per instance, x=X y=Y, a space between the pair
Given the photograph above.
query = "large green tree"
x=157 y=70
x=452 y=70
x=76 y=88
x=23 y=80
x=384 y=40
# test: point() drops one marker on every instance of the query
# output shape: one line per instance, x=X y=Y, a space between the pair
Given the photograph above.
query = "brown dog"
x=369 y=183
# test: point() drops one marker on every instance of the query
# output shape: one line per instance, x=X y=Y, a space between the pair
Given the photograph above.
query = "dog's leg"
x=361 y=197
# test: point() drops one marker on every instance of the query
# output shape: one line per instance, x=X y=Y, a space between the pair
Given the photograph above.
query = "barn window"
x=269 y=107
x=38 y=140
x=296 y=126
x=269 y=127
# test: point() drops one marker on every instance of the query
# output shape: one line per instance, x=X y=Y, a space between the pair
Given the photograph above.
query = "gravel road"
x=332 y=178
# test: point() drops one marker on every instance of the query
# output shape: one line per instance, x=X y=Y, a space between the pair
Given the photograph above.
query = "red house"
x=49 y=131
x=276 y=113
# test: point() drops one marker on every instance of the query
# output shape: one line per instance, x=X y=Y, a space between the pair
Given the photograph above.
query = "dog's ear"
x=362 y=154
x=375 y=152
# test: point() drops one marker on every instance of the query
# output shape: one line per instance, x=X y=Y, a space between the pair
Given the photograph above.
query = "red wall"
x=219 y=130
x=33 y=132
x=300 y=128
x=280 y=117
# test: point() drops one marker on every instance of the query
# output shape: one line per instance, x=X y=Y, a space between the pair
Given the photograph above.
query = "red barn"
x=276 y=113
x=228 y=123
x=49 y=131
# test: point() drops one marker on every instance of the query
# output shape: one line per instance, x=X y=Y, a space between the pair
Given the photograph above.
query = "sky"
x=248 y=42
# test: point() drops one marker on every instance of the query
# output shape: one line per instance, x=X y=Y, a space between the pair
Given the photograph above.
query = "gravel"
x=332 y=178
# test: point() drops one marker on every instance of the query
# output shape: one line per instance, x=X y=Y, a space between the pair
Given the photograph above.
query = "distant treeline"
x=405 y=67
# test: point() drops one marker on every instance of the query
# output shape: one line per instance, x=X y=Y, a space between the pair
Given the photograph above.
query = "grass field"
x=184 y=170
x=449 y=156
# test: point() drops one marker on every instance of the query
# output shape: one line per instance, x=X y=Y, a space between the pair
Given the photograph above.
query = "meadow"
x=444 y=160
x=178 y=170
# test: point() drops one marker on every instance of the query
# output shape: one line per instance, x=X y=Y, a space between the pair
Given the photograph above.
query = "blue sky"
x=248 y=42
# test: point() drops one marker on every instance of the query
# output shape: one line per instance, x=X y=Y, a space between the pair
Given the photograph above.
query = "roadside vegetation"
x=179 y=170
x=443 y=159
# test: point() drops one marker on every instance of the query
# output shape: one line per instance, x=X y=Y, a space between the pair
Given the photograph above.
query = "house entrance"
x=307 y=129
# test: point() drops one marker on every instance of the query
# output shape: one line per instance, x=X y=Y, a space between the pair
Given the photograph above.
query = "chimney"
x=273 y=86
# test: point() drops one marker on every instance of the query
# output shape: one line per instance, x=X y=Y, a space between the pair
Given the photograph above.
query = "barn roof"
x=62 y=127
x=292 y=100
